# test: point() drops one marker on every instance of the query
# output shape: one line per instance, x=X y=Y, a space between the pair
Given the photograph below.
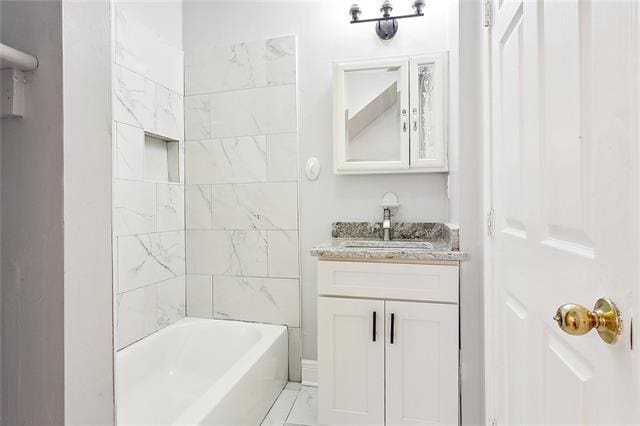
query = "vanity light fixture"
x=387 y=25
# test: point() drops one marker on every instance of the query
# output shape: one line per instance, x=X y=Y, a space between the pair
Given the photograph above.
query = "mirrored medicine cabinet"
x=390 y=115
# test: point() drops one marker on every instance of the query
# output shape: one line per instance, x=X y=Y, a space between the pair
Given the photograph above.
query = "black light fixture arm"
x=387 y=25
x=360 y=21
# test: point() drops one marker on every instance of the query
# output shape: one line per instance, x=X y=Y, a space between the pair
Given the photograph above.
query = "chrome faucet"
x=386 y=225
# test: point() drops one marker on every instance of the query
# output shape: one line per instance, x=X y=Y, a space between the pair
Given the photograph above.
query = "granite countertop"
x=409 y=241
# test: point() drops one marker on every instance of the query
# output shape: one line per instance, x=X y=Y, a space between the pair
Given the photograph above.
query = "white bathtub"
x=202 y=371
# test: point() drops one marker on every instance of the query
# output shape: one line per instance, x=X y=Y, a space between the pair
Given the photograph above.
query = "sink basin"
x=373 y=244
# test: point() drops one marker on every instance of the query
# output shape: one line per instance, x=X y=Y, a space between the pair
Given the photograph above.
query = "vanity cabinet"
x=387 y=354
x=390 y=115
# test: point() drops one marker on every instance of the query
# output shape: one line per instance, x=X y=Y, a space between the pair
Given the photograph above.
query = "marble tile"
x=254 y=111
x=281 y=60
x=280 y=409
x=295 y=355
x=199 y=296
x=169 y=113
x=198 y=208
x=129 y=152
x=140 y=49
x=199 y=254
x=257 y=205
x=134 y=207
x=221 y=68
x=269 y=300
x=134 y=100
x=170 y=207
x=135 y=315
x=230 y=160
x=240 y=160
x=282 y=157
x=283 y=254
x=305 y=409
x=171 y=301
x=200 y=162
x=196 y=116
x=242 y=253
x=150 y=258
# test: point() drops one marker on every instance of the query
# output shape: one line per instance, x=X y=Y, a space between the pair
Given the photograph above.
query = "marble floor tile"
x=280 y=410
x=305 y=409
x=294 y=386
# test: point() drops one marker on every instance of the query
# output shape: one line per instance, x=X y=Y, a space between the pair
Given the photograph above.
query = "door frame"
x=487 y=208
x=636 y=133
x=490 y=370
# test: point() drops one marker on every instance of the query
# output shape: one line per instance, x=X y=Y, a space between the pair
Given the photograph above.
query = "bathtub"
x=201 y=372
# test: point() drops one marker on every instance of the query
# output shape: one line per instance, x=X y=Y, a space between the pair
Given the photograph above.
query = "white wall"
x=32 y=225
x=324 y=35
x=88 y=301
x=56 y=267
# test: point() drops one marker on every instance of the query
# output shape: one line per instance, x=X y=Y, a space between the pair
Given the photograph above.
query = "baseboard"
x=309 y=372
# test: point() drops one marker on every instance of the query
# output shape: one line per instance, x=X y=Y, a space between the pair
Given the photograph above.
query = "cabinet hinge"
x=491 y=223
x=487 y=13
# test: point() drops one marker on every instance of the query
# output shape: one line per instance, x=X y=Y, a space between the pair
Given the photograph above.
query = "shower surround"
x=241 y=206
x=218 y=236
x=148 y=180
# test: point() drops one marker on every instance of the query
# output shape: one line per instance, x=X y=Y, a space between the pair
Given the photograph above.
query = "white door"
x=351 y=359
x=421 y=363
x=564 y=179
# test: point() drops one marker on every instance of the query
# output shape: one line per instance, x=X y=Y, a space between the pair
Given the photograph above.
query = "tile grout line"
x=242 y=89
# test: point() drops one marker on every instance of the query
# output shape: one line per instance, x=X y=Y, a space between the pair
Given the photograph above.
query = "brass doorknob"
x=578 y=320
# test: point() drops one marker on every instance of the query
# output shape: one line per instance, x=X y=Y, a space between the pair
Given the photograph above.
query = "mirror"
x=372 y=114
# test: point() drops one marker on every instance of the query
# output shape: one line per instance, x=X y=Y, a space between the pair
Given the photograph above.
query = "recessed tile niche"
x=161 y=159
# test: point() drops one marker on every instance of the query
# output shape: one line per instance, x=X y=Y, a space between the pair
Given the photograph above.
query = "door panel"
x=512 y=151
x=422 y=364
x=567 y=366
x=565 y=153
x=351 y=374
x=564 y=169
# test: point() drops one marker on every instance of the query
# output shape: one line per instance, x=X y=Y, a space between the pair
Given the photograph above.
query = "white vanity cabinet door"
x=428 y=112
x=351 y=374
x=421 y=364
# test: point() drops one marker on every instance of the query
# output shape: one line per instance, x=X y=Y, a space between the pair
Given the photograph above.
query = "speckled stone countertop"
x=409 y=242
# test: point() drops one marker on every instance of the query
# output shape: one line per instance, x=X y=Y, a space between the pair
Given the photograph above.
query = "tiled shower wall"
x=241 y=185
x=148 y=207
